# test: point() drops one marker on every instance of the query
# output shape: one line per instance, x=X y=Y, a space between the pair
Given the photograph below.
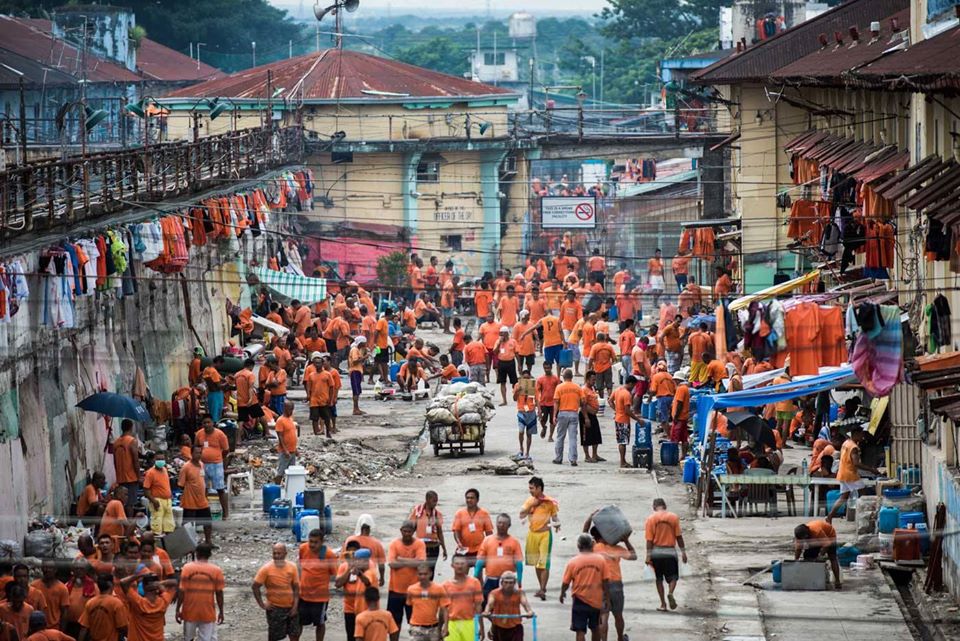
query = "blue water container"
x=832 y=497
x=847 y=554
x=297 y=534
x=280 y=514
x=669 y=453
x=924 y=537
x=271 y=492
x=896 y=493
x=911 y=518
x=394 y=371
x=566 y=358
x=328 y=519
x=613 y=314
x=888 y=519
x=460 y=379
x=691 y=470
x=834 y=412
x=298 y=501
x=643 y=438
x=777 y=571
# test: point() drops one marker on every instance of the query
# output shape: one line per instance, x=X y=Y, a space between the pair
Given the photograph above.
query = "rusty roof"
x=829 y=64
x=160 y=62
x=334 y=74
x=929 y=65
x=759 y=61
x=34 y=73
x=23 y=37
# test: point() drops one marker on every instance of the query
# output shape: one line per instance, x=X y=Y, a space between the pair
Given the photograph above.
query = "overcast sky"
x=397 y=7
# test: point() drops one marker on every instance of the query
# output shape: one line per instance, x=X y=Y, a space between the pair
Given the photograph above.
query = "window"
x=454 y=242
x=495 y=60
x=340 y=157
x=428 y=171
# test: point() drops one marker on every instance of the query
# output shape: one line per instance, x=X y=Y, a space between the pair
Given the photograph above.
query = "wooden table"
x=809 y=484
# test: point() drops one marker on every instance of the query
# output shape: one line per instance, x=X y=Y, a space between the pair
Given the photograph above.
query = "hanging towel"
x=878 y=362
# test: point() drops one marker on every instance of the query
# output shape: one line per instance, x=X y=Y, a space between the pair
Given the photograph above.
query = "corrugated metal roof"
x=929 y=65
x=25 y=38
x=828 y=64
x=157 y=61
x=34 y=73
x=335 y=74
x=759 y=61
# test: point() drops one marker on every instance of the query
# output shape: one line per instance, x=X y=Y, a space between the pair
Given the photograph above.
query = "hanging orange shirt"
x=803 y=339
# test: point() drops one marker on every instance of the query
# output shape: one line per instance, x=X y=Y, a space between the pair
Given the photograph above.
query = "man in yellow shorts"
x=541 y=512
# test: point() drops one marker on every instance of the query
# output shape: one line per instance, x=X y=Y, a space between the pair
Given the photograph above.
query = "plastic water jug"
x=691 y=470
x=460 y=379
x=777 y=571
x=613 y=314
x=566 y=358
x=924 y=537
x=888 y=519
x=911 y=518
x=296 y=481
x=313 y=499
x=297 y=523
x=612 y=523
x=271 y=492
x=643 y=438
x=298 y=501
x=280 y=514
x=669 y=453
x=308 y=524
x=832 y=497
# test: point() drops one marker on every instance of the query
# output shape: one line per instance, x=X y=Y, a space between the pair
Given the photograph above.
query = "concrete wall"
x=108 y=31
x=52 y=446
x=941 y=484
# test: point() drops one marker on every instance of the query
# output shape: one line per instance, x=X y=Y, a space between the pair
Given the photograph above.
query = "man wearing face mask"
x=156 y=487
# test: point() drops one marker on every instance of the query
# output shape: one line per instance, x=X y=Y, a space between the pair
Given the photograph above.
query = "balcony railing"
x=59 y=193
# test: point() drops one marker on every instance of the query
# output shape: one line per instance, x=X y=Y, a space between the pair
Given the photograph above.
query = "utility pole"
x=253 y=45
x=338 y=18
x=23 y=125
x=496 y=75
x=199 y=44
x=191 y=50
x=318 y=37
x=602 y=52
x=290 y=48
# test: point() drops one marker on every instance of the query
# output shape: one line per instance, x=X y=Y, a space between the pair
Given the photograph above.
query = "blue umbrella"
x=115 y=405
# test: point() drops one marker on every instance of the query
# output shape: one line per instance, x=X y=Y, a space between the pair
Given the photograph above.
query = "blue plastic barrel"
x=924 y=537
x=669 y=453
x=691 y=470
x=613 y=314
x=832 y=497
x=271 y=492
x=834 y=412
x=888 y=519
x=911 y=518
x=296 y=522
x=777 y=571
x=896 y=493
x=280 y=514
x=394 y=370
x=566 y=358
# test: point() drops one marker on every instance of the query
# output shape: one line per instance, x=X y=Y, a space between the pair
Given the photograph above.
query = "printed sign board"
x=566 y=211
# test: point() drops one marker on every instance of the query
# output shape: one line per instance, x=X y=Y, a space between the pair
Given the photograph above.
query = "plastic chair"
x=788 y=493
x=759 y=494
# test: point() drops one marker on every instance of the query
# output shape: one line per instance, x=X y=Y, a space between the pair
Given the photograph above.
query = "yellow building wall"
x=368 y=190
x=394 y=122
x=517 y=189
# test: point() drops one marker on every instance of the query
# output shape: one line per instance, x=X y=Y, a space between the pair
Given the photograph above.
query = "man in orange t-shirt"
x=587 y=576
x=482 y=299
x=672 y=345
x=200 y=598
x=105 y=616
x=600 y=360
x=816 y=538
x=281 y=580
x=381 y=342
x=621 y=400
x=508 y=307
x=90 y=504
x=156 y=488
x=126 y=462
x=404 y=556
x=597 y=267
x=663 y=387
x=428 y=603
x=570 y=312
x=699 y=343
x=249 y=411
x=194 y=502
x=287 y=441
x=54 y=592
x=114 y=522
x=475 y=356
x=471 y=524
x=489 y=334
x=680 y=415
x=448 y=301
x=318 y=565
x=504 y=609
x=567 y=400
x=466 y=598
x=374 y=624
x=663 y=535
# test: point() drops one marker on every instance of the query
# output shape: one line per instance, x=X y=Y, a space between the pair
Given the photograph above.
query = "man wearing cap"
x=506 y=351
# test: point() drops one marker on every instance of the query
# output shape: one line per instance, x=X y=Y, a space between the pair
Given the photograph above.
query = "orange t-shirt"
x=823 y=533
x=626 y=342
x=377 y=553
x=499 y=555
x=612 y=554
x=148 y=618
x=77 y=604
x=426 y=603
x=287 y=433
x=682 y=397
x=301 y=319
x=457 y=344
x=449 y=372
x=19 y=620
x=158 y=482
x=561 y=267
x=50 y=634
x=671 y=338
x=279 y=379
x=321 y=385
x=102 y=616
x=482 y=300
x=567 y=397
x=88 y=498
x=586 y=573
x=716 y=371
x=199 y=583
x=662 y=384
x=700 y=343
x=662 y=529
x=353 y=601
x=404 y=577
x=57 y=597
x=246 y=388
x=382 y=333
x=355 y=360
x=508 y=308
x=508 y=350
x=475 y=353
x=194 y=487
x=622 y=400
x=465 y=598
x=112 y=515
x=847 y=471
x=490 y=334
x=537 y=308
x=525 y=346
x=448 y=297
x=375 y=625
x=590 y=398
x=214 y=444
x=472 y=529
x=279 y=582
x=601 y=357
x=570 y=313
x=505 y=605
x=551 y=331
x=316 y=571
x=545 y=388
x=123 y=453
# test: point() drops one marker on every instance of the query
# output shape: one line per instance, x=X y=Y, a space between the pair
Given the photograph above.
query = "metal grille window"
x=494 y=59
x=428 y=171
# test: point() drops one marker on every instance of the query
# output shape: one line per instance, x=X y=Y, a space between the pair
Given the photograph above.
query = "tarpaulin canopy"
x=290 y=287
x=772 y=394
x=744 y=301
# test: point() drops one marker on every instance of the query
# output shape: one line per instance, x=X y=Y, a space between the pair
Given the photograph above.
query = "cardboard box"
x=803 y=575
x=527 y=386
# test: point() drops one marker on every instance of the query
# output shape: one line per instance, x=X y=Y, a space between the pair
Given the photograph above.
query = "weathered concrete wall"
x=44 y=372
x=941 y=484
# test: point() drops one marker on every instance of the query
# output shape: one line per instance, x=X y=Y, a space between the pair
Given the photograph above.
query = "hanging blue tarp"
x=772 y=394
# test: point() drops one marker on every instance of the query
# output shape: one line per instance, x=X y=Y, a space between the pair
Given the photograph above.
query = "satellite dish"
x=351 y=5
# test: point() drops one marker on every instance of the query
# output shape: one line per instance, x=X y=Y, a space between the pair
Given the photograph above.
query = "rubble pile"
x=339 y=463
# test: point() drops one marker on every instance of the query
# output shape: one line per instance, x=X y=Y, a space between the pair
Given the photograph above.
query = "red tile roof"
x=159 y=62
x=335 y=74
x=829 y=64
x=758 y=62
x=24 y=38
x=929 y=65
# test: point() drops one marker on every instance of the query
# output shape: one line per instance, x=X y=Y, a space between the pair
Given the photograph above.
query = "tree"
x=629 y=19
x=392 y=269
x=440 y=53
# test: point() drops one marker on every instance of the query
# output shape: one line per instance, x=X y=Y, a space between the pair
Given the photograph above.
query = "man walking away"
x=567 y=400
x=126 y=463
x=374 y=624
x=201 y=588
x=588 y=578
x=663 y=535
x=612 y=554
x=287 y=441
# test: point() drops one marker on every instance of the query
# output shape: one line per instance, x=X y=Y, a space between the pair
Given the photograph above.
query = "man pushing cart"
x=504 y=612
